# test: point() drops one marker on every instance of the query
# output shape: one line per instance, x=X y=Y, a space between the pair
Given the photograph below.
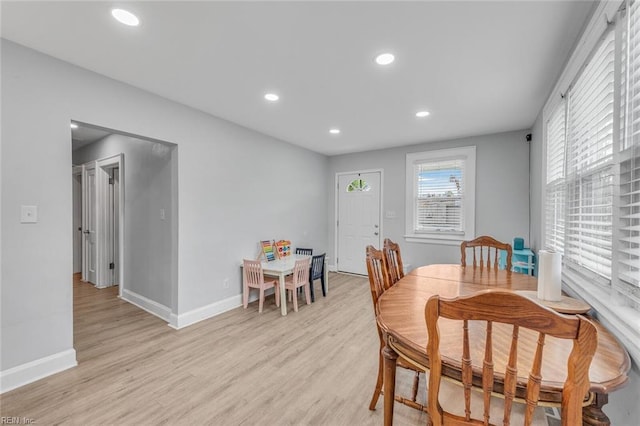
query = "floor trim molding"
x=146 y=304
x=205 y=312
x=35 y=370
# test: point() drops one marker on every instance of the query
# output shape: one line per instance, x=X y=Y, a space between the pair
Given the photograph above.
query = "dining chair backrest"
x=306 y=251
x=486 y=252
x=317 y=266
x=301 y=271
x=394 y=261
x=252 y=270
x=497 y=306
x=378 y=275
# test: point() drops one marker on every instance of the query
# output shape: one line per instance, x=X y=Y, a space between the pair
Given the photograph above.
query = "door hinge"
x=337 y=223
x=110 y=181
x=112 y=265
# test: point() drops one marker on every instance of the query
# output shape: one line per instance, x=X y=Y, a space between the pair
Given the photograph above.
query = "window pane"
x=440 y=195
x=555 y=190
x=628 y=235
x=589 y=174
x=589 y=222
x=358 y=185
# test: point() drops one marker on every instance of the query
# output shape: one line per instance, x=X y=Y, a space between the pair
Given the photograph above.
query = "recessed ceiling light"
x=334 y=131
x=74 y=126
x=125 y=17
x=272 y=97
x=385 y=59
x=422 y=114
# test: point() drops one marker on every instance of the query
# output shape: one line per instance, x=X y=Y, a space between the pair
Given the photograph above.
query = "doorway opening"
x=125 y=216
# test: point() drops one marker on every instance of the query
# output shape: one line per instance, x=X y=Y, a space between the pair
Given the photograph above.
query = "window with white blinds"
x=628 y=235
x=592 y=187
x=589 y=164
x=441 y=194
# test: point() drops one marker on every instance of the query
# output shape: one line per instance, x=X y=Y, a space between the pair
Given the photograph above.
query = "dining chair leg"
x=261 y=300
x=245 y=296
x=307 y=294
x=324 y=287
x=295 y=301
x=378 y=389
x=277 y=292
x=313 y=296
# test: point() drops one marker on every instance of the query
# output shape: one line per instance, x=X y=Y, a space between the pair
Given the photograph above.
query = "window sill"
x=448 y=240
x=623 y=321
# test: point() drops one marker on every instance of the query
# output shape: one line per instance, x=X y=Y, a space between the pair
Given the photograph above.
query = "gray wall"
x=502 y=191
x=148 y=266
x=235 y=187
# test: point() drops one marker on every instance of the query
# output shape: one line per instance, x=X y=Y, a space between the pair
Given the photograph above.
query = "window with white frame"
x=592 y=186
x=440 y=198
x=628 y=231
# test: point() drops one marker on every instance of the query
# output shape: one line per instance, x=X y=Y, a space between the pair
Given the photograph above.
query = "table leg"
x=326 y=277
x=389 y=380
x=593 y=415
x=283 y=296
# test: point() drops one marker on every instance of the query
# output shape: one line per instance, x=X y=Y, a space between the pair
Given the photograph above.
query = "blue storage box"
x=518 y=243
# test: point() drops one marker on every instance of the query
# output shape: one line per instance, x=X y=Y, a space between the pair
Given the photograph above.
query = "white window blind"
x=628 y=235
x=439 y=198
x=589 y=165
x=440 y=195
x=555 y=192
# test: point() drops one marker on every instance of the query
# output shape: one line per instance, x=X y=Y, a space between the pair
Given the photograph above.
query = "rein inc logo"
x=6 y=420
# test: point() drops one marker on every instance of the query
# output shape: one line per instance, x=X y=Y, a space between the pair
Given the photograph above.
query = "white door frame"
x=336 y=209
x=104 y=216
x=85 y=218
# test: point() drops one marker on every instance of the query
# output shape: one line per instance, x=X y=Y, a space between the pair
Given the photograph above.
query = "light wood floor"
x=313 y=367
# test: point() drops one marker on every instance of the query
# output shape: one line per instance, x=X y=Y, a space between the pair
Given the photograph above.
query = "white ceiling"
x=479 y=67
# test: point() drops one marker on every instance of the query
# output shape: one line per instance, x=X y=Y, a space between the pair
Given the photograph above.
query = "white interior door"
x=358 y=219
x=89 y=253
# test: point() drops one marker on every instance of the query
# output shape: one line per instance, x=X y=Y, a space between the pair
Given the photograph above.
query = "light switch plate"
x=28 y=214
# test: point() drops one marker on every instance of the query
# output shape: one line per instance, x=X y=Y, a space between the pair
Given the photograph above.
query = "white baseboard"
x=35 y=370
x=205 y=312
x=148 y=305
x=332 y=268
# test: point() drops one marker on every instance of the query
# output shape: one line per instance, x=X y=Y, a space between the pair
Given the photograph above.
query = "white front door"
x=358 y=219
x=89 y=252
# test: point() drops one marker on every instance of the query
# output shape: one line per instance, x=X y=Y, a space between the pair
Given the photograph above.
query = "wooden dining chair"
x=253 y=277
x=497 y=306
x=379 y=283
x=486 y=252
x=394 y=261
x=299 y=278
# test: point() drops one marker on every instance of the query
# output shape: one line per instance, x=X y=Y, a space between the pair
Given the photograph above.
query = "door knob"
x=375 y=226
x=375 y=233
x=87 y=232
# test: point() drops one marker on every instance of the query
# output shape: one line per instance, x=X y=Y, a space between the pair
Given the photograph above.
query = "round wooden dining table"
x=401 y=318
